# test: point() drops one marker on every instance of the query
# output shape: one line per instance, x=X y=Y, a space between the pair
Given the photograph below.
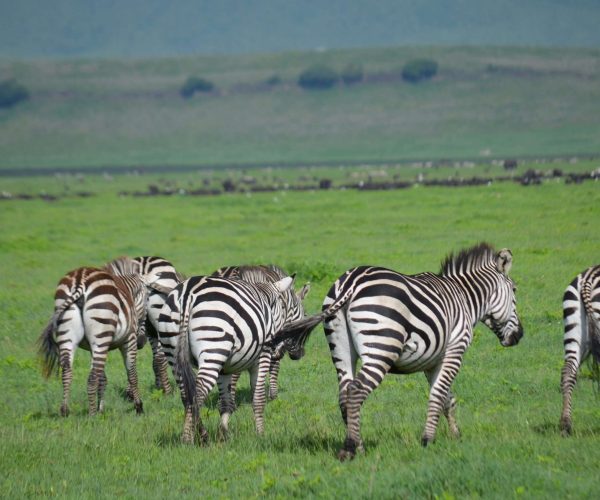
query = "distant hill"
x=483 y=103
x=147 y=28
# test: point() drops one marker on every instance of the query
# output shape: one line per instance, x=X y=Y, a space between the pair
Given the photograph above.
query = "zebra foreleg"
x=129 y=353
x=258 y=375
x=567 y=384
x=233 y=387
x=449 y=408
x=273 y=375
x=440 y=397
x=226 y=402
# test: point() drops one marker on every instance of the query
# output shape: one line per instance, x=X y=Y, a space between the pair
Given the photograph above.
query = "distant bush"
x=318 y=77
x=273 y=80
x=12 y=93
x=419 y=69
x=194 y=84
x=352 y=73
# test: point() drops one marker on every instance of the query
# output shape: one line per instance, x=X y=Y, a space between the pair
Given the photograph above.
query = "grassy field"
x=484 y=101
x=509 y=399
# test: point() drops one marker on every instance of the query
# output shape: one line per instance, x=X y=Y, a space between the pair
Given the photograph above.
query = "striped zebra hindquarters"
x=581 y=316
x=161 y=277
x=90 y=311
x=221 y=325
x=293 y=310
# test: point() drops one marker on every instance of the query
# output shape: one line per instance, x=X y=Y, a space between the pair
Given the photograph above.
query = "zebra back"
x=292 y=309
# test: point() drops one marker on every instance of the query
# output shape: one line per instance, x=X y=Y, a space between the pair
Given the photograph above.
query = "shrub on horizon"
x=194 y=84
x=419 y=69
x=318 y=76
x=11 y=93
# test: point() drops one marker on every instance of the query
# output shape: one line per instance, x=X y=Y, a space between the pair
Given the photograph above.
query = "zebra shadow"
x=553 y=429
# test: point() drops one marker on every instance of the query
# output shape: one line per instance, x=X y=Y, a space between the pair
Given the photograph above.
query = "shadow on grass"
x=553 y=429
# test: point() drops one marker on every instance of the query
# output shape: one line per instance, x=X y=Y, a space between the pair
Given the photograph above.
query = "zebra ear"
x=504 y=261
x=303 y=292
x=284 y=284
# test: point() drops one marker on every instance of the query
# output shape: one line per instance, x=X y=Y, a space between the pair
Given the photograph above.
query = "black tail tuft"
x=48 y=349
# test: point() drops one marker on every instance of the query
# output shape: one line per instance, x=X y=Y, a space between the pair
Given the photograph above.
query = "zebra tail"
x=48 y=349
x=47 y=345
x=183 y=366
x=306 y=325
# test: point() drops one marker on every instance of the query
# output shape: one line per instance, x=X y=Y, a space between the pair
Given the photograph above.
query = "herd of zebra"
x=210 y=329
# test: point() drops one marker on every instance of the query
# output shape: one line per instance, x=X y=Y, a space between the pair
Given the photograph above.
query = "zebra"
x=163 y=277
x=405 y=324
x=581 y=312
x=293 y=310
x=222 y=326
x=99 y=312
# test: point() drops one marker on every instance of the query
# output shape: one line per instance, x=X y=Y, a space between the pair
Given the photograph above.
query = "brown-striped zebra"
x=581 y=312
x=99 y=312
x=292 y=310
x=221 y=326
x=405 y=324
x=162 y=277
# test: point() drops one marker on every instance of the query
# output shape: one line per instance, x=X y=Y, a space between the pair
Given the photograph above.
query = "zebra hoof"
x=64 y=411
x=129 y=395
x=345 y=455
x=203 y=437
x=425 y=441
x=139 y=408
x=565 y=428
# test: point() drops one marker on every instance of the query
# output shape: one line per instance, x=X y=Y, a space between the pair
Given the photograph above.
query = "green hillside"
x=484 y=102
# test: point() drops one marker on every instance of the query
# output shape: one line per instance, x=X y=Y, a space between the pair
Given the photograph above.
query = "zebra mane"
x=122 y=266
x=467 y=259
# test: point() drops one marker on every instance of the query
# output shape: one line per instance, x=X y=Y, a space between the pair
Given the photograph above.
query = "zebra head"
x=501 y=316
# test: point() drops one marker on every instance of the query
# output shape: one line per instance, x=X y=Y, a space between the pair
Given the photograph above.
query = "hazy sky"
x=127 y=28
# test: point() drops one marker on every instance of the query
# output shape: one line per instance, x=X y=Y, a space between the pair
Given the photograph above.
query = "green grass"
x=509 y=399
x=102 y=112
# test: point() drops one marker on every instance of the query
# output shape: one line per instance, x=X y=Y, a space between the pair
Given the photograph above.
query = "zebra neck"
x=473 y=294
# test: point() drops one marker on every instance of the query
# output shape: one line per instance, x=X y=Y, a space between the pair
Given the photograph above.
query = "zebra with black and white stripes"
x=220 y=325
x=292 y=310
x=99 y=312
x=581 y=313
x=405 y=324
x=163 y=277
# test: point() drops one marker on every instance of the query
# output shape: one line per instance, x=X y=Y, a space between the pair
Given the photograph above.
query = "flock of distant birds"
x=210 y=329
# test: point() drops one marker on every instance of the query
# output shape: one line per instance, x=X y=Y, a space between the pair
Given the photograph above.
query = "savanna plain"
x=85 y=116
x=509 y=398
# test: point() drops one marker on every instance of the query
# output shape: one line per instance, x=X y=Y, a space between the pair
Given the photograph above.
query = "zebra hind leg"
x=206 y=378
x=367 y=380
x=159 y=362
x=129 y=353
x=568 y=380
x=66 y=364
x=226 y=404
x=101 y=389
